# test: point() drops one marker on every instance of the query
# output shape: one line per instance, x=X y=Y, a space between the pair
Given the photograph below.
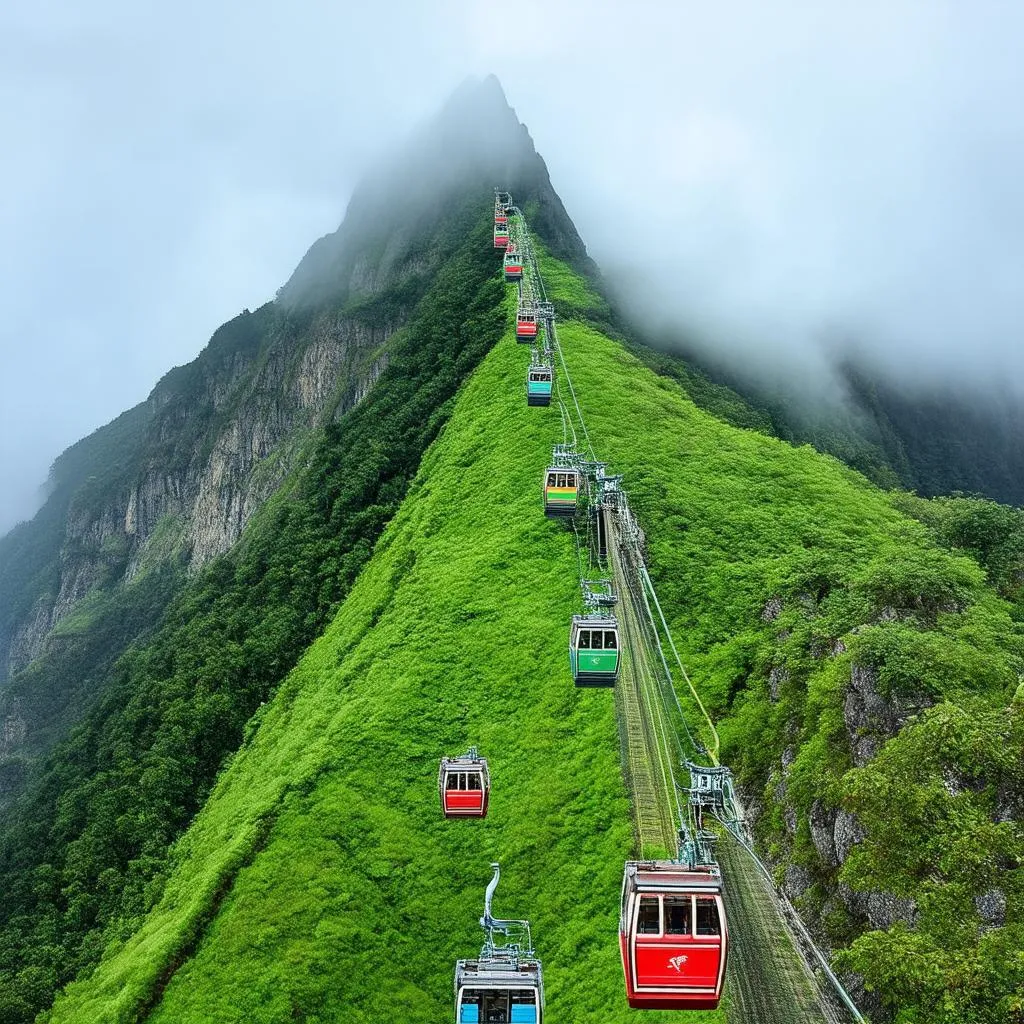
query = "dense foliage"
x=788 y=576
x=934 y=441
x=318 y=882
x=82 y=855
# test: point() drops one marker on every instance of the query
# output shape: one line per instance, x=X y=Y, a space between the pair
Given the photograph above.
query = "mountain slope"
x=454 y=635
x=933 y=439
x=172 y=484
x=155 y=675
x=831 y=635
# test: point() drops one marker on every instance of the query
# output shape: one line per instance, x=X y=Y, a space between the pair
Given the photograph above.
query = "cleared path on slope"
x=768 y=980
x=647 y=776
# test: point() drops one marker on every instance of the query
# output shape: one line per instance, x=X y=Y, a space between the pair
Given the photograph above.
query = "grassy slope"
x=319 y=882
x=454 y=635
x=736 y=519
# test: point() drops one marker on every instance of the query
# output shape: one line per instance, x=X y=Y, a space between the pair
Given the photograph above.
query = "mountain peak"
x=474 y=143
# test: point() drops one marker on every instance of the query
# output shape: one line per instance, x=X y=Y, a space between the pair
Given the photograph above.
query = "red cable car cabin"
x=465 y=786
x=673 y=936
x=526 y=326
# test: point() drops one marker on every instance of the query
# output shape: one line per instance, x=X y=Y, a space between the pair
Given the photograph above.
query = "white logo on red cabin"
x=676 y=963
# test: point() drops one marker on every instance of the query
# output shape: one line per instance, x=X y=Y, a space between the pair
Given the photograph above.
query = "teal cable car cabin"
x=538 y=385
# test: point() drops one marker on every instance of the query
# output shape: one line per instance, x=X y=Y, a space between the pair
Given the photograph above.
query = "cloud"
x=763 y=178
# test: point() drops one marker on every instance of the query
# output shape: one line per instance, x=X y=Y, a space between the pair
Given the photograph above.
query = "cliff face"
x=173 y=483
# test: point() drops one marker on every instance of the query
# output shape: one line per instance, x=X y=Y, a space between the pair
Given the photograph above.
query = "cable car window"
x=474 y=780
x=677 y=915
x=524 y=1007
x=648 y=920
x=707 y=916
x=452 y=782
x=496 y=1007
x=583 y=642
x=469 y=1010
x=609 y=640
x=551 y=480
x=595 y=640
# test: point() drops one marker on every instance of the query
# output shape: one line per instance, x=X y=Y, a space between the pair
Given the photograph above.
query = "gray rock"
x=822 y=823
x=789 y=816
x=872 y=719
x=884 y=910
x=991 y=907
x=778 y=675
x=846 y=833
x=796 y=881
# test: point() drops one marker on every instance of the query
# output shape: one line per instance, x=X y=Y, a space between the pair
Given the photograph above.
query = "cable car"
x=505 y=984
x=500 y=236
x=464 y=784
x=500 y=217
x=594 y=650
x=513 y=266
x=498 y=991
x=526 y=326
x=538 y=385
x=673 y=936
x=561 y=490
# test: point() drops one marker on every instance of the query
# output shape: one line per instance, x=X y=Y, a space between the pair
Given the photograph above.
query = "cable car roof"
x=670 y=876
x=597 y=622
x=521 y=973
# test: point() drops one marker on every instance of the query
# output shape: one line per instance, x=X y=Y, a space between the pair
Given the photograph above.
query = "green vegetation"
x=735 y=520
x=860 y=650
x=454 y=634
x=320 y=883
x=82 y=855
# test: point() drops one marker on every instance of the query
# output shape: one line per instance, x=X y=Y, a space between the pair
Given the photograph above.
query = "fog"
x=767 y=181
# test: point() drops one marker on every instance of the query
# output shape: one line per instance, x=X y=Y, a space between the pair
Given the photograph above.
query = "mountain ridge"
x=788 y=613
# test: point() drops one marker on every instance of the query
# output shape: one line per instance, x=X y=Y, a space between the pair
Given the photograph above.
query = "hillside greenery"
x=82 y=854
x=319 y=882
x=454 y=635
x=737 y=522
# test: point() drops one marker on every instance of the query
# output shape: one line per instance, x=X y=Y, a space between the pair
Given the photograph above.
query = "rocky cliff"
x=172 y=484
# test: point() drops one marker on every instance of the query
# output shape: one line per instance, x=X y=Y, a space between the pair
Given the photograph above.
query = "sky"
x=768 y=180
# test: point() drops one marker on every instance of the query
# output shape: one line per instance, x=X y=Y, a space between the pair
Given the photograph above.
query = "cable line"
x=654 y=725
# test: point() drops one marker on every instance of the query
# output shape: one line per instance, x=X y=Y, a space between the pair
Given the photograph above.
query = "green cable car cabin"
x=500 y=236
x=561 y=491
x=538 y=385
x=594 y=650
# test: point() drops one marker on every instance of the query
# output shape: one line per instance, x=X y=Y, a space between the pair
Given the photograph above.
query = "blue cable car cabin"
x=594 y=650
x=499 y=991
x=538 y=385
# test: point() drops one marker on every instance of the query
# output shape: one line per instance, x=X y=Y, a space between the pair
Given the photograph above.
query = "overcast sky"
x=767 y=177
